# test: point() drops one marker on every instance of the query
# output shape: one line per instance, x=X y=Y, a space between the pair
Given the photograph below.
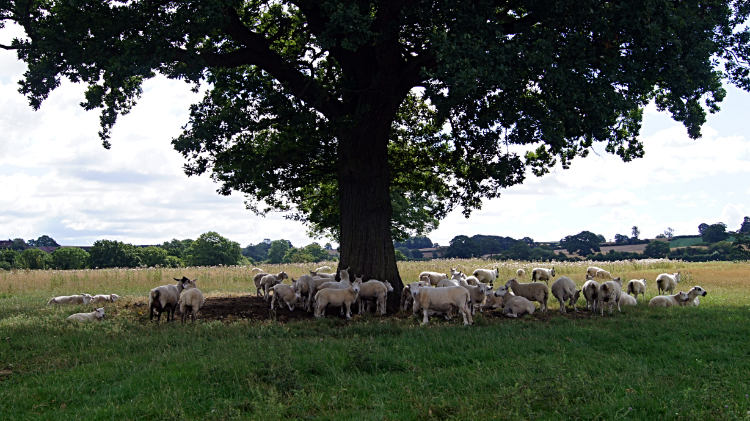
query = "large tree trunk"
x=364 y=199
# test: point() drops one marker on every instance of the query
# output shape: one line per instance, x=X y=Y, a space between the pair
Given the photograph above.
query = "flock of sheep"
x=435 y=294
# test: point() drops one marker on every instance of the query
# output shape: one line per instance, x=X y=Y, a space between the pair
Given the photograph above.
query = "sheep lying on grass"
x=603 y=274
x=668 y=300
x=337 y=298
x=591 y=294
x=693 y=296
x=609 y=294
x=637 y=286
x=191 y=300
x=84 y=299
x=441 y=300
x=564 y=289
x=627 y=300
x=95 y=316
x=376 y=291
x=541 y=274
x=267 y=282
x=286 y=294
x=499 y=298
x=322 y=268
x=487 y=276
x=407 y=298
x=667 y=282
x=432 y=277
x=591 y=271
x=533 y=291
x=517 y=307
x=165 y=298
x=109 y=298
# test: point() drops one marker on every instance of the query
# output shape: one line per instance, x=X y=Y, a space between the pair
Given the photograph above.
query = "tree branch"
x=10 y=47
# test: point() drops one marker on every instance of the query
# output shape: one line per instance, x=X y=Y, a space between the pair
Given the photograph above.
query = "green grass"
x=646 y=364
x=685 y=242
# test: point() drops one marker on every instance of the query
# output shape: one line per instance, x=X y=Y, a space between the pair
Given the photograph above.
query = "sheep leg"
x=426 y=319
x=348 y=310
x=273 y=299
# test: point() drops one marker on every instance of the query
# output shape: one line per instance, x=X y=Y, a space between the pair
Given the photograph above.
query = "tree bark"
x=366 y=245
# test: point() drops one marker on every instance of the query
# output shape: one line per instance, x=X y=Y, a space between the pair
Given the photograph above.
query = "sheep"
x=609 y=293
x=344 y=283
x=257 y=269
x=591 y=271
x=564 y=289
x=637 y=286
x=308 y=286
x=374 y=290
x=486 y=275
x=693 y=296
x=322 y=268
x=666 y=282
x=603 y=274
x=591 y=294
x=476 y=295
x=541 y=274
x=407 y=298
x=441 y=300
x=497 y=299
x=520 y=273
x=533 y=291
x=165 y=298
x=95 y=316
x=256 y=280
x=433 y=277
x=191 y=300
x=267 y=282
x=286 y=294
x=447 y=283
x=471 y=280
x=627 y=300
x=84 y=299
x=518 y=306
x=668 y=300
x=110 y=298
x=315 y=273
x=337 y=297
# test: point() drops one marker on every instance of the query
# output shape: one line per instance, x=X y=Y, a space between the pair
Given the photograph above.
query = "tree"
x=43 y=241
x=10 y=257
x=621 y=239
x=520 y=251
x=702 y=228
x=745 y=225
x=715 y=233
x=211 y=249
x=669 y=233
x=153 y=256
x=112 y=254
x=69 y=258
x=310 y=253
x=277 y=251
x=635 y=233
x=490 y=246
x=462 y=247
x=19 y=244
x=582 y=243
x=177 y=247
x=657 y=249
x=258 y=252
x=32 y=258
x=294 y=82
x=417 y=254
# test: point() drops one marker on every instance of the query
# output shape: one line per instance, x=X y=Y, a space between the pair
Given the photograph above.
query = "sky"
x=56 y=179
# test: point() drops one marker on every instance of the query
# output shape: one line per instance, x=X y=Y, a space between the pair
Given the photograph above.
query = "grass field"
x=680 y=363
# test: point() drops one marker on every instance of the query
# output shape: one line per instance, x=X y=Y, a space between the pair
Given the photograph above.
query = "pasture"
x=672 y=363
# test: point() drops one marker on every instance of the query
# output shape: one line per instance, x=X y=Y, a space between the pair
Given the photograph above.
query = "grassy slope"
x=683 y=363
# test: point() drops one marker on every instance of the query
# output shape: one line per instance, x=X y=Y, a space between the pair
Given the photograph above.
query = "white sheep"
x=627 y=300
x=591 y=294
x=603 y=274
x=609 y=294
x=84 y=299
x=564 y=289
x=693 y=296
x=667 y=282
x=376 y=291
x=308 y=286
x=518 y=306
x=637 y=286
x=322 y=268
x=256 y=280
x=497 y=299
x=441 y=300
x=447 y=283
x=668 y=300
x=109 y=298
x=591 y=271
x=165 y=298
x=533 y=291
x=258 y=270
x=95 y=316
x=344 y=283
x=433 y=277
x=476 y=294
x=286 y=294
x=315 y=273
x=407 y=298
x=471 y=280
x=267 y=282
x=191 y=300
x=487 y=276
x=520 y=273
x=541 y=274
x=337 y=297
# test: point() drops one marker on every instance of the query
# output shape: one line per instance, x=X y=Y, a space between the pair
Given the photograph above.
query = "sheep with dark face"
x=541 y=274
x=165 y=298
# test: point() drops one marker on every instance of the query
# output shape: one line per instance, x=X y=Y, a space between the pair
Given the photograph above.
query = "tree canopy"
x=371 y=120
x=582 y=243
x=211 y=249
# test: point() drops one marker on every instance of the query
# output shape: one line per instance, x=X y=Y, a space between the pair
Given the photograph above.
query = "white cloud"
x=620 y=197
